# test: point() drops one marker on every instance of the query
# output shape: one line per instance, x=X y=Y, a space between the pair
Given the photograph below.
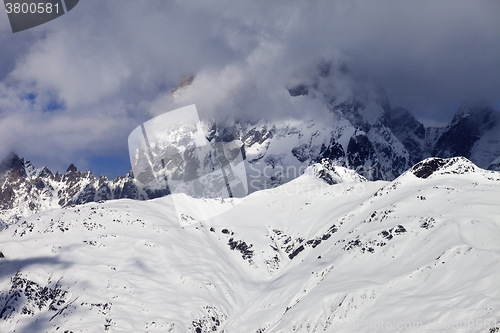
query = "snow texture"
x=420 y=253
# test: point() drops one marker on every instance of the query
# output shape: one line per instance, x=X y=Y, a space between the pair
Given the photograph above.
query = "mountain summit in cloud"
x=77 y=86
x=378 y=142
x=351 y=124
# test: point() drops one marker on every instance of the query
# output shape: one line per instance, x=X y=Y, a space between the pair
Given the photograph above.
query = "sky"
x=73 y=89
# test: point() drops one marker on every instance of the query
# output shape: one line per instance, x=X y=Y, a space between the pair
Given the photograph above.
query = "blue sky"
x=73 y=89
x=111 y=166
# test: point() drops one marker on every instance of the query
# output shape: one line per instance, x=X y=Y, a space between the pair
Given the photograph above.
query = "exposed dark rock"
x=399 y=230
x=7 y=197
x=14 y=166
x=39 y=184
x=359 y=150
x=409 y=131
x=18 y=186
x=426 y=168
x=245 y=250
x=45 y=173
x=466 y=128
x=427 y=223
x=352 y=244
x=301 y=153
x=298 y=90
x=258 y=136
x=325 y=176
x=296 y=252
x=27 y=297
x=186 y=81
x=71 y=168
x=334 y=152
x=369 y=151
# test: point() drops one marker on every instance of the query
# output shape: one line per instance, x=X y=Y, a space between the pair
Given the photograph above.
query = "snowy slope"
x=303 y=257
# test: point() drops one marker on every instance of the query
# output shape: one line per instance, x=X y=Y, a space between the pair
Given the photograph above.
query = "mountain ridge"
x=383 y=147
x=354 y=127
x=305 y=256
x=26 y=190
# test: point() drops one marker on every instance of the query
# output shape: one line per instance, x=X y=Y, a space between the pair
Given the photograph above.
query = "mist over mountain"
x=356 y=129
x=361 y=189
x=72 y=90
x=349 y=122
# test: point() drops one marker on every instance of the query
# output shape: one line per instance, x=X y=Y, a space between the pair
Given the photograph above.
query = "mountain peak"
x=25 y=190
x=185 y=82
x=441 y=166
x=295 y=259
x=464 y=111
x=475 y=110
x=13 y=164
x=71 y=168
x=10 y=161
x=334 y=174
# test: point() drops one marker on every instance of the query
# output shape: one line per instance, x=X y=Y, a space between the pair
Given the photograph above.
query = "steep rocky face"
x=409 y=131
x=474 y=133
x=495 y=165
x=13 y=175
x=378 y=142
x=357 y=129
x=438 y=166
x=364 y=133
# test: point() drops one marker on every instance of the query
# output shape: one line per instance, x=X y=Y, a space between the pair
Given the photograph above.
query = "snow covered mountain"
x=25 y=190
x=326 y=252
x=354 y=128
x=379 y=142
x=277 y=152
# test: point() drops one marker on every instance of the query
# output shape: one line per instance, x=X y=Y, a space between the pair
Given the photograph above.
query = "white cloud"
x=112 y=64
x=79 y=76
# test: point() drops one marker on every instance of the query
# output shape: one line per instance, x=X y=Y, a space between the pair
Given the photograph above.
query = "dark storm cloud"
x=77 y=86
